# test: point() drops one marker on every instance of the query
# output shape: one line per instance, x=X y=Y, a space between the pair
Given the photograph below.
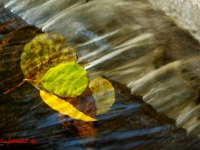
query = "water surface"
x=126 y=41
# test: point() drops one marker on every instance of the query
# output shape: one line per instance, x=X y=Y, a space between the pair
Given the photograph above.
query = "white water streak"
x=126 y=46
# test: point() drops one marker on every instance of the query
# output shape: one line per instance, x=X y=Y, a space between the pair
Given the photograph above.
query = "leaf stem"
x=29 y=78
x=37 y=88
x=10 y=90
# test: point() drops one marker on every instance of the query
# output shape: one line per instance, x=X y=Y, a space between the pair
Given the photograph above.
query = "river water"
x=152 y=47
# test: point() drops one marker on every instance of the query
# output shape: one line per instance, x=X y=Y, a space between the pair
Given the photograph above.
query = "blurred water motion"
x=130 y=42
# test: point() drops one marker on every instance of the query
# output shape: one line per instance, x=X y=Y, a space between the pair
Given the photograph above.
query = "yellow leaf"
x=103 y=93
x=64 y=107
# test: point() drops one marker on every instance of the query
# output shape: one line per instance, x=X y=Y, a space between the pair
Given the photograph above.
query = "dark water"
x=130 y=43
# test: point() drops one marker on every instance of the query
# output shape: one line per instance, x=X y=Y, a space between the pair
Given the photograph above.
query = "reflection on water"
x=129 y=42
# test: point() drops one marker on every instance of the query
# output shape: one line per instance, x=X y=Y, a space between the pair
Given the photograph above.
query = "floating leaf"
x=44 y=52
x=103 y=93
x=86 y=104
x=66 y=80
x=64 y=107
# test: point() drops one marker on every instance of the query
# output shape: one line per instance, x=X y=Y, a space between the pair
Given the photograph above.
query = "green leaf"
x=66 y=80
x=42 y=53
x=63 y=107
x=103 y=93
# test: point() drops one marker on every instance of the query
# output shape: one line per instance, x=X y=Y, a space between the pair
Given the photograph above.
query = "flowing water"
x=152 y=47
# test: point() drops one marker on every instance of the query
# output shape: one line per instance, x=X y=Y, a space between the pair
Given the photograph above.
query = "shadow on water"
x=156 y=59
